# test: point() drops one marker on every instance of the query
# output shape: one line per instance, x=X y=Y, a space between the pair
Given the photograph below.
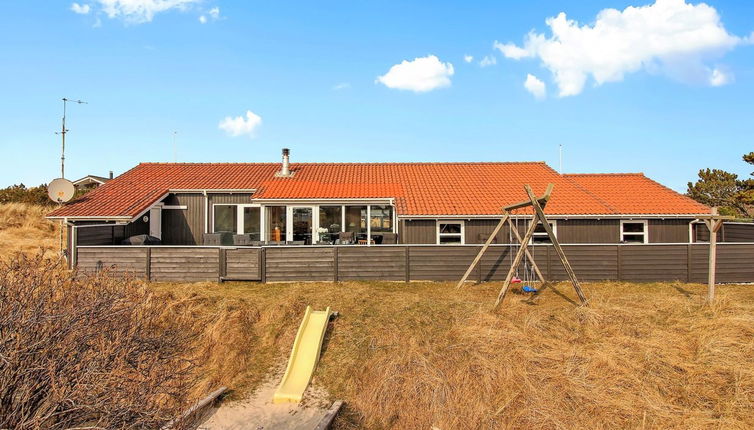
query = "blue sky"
x=310 y=73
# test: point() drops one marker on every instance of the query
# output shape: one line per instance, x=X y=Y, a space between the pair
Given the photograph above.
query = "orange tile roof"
x=634 y=193
x=418 y=188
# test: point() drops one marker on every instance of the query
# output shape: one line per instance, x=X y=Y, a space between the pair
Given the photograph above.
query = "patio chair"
x=389 y=238
x=245 y=239
x=223 y=238
x=345 y=237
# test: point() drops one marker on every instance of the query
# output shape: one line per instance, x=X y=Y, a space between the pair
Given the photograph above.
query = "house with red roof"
x=371 y=203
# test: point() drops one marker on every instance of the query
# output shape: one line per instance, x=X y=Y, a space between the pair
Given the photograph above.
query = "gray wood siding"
x=738 y=232
x=185 y=264
x=183 y=226
x=104 y=235
x=669 y=230
x=441 y=262
x=661 y=263
x=636 y=263
x=386 y=264
x=420 y=232
x=588 y=231
x=242 y=264
x=300 y=264
x=590 y=263
x=116 y=260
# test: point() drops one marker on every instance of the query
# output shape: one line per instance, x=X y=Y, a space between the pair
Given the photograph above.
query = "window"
x=633 y=231
x=356 y=219
x=251 y=221
x=225 y=219
x=450 y=232
x=330 y=218
x=540 y=234
x=275 y=219
x=381 y=219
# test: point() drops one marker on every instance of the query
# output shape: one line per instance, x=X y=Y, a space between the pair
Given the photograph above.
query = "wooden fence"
x=636 y=263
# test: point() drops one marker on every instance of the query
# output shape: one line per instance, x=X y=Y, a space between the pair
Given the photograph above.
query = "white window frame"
x=239 y=218
x=645 y=234
x=450 y=221
x=553 y=223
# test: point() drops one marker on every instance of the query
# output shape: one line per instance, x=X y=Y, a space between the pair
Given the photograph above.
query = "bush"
x=21 y=194
x=91 y=352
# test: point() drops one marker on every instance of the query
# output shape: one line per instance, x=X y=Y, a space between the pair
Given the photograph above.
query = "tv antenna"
x=560 y=153
x=175 y=148
x=62 y=133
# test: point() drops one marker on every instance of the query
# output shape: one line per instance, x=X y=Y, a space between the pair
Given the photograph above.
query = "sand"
x=259 y=413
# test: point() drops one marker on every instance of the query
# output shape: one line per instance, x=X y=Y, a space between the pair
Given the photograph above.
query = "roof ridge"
x=606 y=174
x=339 y=163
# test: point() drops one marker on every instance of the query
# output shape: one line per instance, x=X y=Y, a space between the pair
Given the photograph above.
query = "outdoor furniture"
x=364 y=242
x=389 y=238
x=245 y=239
x=297 y=242
x=345 y=237
x=141 y=239
x=223 y=238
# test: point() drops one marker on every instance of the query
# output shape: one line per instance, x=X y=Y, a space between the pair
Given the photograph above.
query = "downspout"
x=206 y=211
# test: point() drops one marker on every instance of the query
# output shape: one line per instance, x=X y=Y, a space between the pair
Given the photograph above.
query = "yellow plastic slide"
x=304 y=356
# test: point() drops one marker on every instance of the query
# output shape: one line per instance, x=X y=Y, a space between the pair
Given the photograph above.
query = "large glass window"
x=633 y=231
x=225 y=219
x=381 y=219
x=275 y=223
x=356 y=219
x=450 y=232
x=330 y=220
x=251 y=222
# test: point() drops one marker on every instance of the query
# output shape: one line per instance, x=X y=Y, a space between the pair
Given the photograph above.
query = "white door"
x=155 y=222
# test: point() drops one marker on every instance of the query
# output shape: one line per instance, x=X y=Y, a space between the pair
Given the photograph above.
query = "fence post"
x=408 y=262
x=263 y=265
x=335 y=264
x=148 y=264
x=619 y=255
x=688 y=262
x=221 y=267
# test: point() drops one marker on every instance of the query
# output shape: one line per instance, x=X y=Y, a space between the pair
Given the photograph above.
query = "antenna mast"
x=175 y=148
x=560 y=153
x=62 y=133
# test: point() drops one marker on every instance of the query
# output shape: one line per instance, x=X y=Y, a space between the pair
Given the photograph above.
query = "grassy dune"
x=422 y=354
x=23 y=228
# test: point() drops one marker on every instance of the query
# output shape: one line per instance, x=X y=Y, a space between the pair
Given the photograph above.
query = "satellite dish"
x=60 y=190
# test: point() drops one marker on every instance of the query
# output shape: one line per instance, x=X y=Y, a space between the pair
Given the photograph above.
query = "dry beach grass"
x=421 y=354
x=417 y=355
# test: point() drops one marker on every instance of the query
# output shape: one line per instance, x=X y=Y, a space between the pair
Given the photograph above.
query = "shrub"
x=86 y=351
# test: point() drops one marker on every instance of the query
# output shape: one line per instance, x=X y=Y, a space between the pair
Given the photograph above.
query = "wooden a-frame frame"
x=539 y=216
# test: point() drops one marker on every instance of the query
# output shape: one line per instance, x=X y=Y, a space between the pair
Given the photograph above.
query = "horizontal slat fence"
x=636 y=263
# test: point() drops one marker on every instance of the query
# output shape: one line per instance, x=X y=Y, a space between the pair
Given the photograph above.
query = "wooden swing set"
x=538 y=204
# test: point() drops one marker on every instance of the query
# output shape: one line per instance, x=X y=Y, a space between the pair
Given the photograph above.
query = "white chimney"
x=285 y=169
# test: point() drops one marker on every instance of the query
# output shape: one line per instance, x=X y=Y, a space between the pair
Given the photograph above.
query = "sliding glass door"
x=302 y=222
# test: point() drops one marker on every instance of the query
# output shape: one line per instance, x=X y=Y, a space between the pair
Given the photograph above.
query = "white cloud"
x=81 y=9
x=341 y=86
x=718 y=78
x=240 y=126
x=141 y=11
x=214 y=15
x=468 y=58
x=669 y=36
x=419 y=75
x=535 y=86
x=488 y=60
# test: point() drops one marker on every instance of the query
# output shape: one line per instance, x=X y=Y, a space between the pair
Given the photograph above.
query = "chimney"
x=285 y=169
x=111 y=174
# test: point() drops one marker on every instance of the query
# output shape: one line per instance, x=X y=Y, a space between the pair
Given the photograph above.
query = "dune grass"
x=419 y=355
x=23 y=228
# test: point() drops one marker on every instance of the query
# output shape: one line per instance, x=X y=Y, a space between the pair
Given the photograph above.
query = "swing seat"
x=516 y=280
x=529 y=289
